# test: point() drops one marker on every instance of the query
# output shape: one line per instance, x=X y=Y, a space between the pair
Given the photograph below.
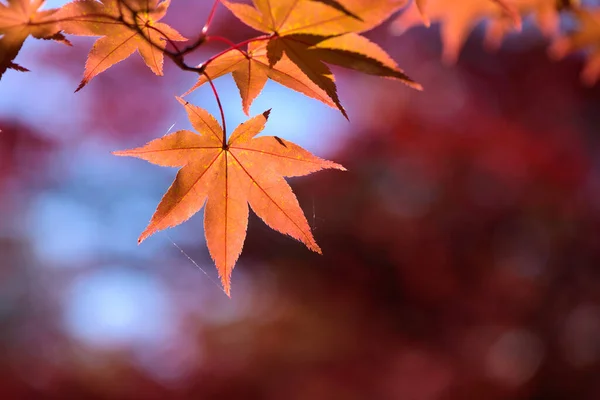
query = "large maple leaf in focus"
x=307 y=34
x=18 y=20
x=458 y=18
x=229 y=175
x=126 y=26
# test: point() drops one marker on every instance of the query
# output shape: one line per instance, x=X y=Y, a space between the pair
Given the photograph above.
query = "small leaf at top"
x=250 y=72
x=293 y=17
x=296 y=28
x=125 y=26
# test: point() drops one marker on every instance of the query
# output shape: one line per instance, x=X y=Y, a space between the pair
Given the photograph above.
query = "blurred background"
x=461 y=249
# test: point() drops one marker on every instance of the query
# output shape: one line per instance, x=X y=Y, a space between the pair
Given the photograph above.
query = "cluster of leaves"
x=298 y=41
x=505 y=16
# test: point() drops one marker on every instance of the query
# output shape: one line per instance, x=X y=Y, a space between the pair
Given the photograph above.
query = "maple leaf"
x=126 y=26
x=252 y=69
x=18 y=20
x=293 y=17
x=585 y=37
x=296 y=27
x=459 y=18
x=296 y=52
x=359 y=53
x=229 y=176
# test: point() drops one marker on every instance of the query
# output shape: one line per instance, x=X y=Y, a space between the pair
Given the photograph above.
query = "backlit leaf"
x=289 y=17
x=293 y=57
x=250 y=73
x=18 y=20
x=359 y=53
x=126 y=26
x=226 y=177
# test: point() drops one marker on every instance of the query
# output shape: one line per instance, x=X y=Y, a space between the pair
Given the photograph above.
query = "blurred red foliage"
x=24 y=153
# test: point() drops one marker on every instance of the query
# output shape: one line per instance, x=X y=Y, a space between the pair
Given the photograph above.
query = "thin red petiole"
x=214 y=89
x=236 y=47
x=220 y=39
x=210 y=17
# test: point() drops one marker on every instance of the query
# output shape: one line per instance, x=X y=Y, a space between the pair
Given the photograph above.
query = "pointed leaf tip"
x=17 y=67
x=317 y=249
x=121 y=153
x=414 y=85
x=81 y=85
x=182 y=101
x=267 y=113
x=281 y=142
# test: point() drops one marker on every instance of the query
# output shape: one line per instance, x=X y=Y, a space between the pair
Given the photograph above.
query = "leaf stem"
x=214 y=89
x=177 y=56
x=203 y=38
x=210 y=18
x=220 y=39
x=236 y=47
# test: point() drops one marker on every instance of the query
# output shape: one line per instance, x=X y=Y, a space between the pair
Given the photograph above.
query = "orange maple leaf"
x=293 y=17
x=126 y=26
x=304 y=32
x=251 y=70
x=18 y=20
x=229 y=175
